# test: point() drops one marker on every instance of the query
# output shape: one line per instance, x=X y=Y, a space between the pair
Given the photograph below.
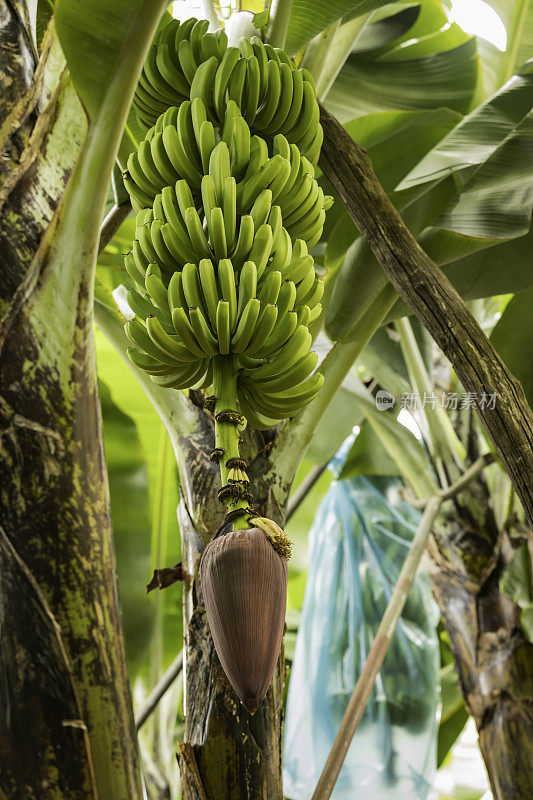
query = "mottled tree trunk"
x=227 y=753
x=66 y=720
x=493 y=659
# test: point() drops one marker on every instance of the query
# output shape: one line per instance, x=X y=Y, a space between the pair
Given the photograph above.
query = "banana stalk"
x=235 y=491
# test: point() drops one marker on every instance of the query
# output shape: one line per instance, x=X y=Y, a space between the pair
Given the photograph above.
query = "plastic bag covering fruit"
x=358 y=542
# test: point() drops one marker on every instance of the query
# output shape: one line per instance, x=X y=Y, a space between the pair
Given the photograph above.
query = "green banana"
x=176 y=295
x=253 y=89
x=261 y=248
x=236 y=82
x=192 y=289
x=219 y=168
x=222 y=79
x=258 y=157
x=206 y=143
x=209 y=197
x=162 y=161
x=285 y=100
x=261 y=208
x=155 y=288
x=248 y=190
x=266 y=113
x=184 y=330
x=148 y=363
x=217 y=233
x=136 y=174
x=262 y=330
x=208 y=283
x=228 y=289
x=178 y=157
x=170 y=71
x=270 y=289
x=183 y=378
x=136 y=333
x=166 y=342
x=289 y=377
x=256 y=420
x=196 y=233
x=247 y=285
x=246 y=325
x=229 y=209
x=245 y=241
x=203 y=335
x=223 y=327
x=296 y=102
x=201 y=85
x=283 y=331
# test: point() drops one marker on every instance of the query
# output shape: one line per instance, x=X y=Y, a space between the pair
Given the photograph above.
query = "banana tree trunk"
x=493 y=659
x=227 y=752
x=66 y=721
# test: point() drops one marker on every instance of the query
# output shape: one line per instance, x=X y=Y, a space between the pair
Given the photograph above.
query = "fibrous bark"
x=429 y=293
x=66 y=722
x=231 y=753
x=493 y=658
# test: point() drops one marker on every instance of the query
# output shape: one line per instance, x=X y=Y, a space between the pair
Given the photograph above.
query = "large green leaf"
x=360 y=279
x=396 y=141
x=339 y=420
x=387 y=29
x=477 y=136
x=368 y=456
x=384 y=135
x=404 y=450
x=517 y=18
x=498 y=269
x=496 y=202
x=128 y=487
x=489 y=157
x=430 y=65
x=97 y=37
x=309 y=18
x=513 y=336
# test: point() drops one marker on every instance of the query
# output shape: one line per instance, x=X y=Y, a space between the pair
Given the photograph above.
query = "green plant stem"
x=443 y=441
x=280 y=12
x=162 y=686
x=296 y=435
x=227 y=432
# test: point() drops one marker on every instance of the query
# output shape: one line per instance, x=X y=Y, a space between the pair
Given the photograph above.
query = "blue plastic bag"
x=358 y=542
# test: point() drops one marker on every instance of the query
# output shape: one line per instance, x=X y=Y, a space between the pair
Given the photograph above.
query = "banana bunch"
x=171 y=64
x=186 y=318
x=182 y=148
x=220 y=261
x=186 y=62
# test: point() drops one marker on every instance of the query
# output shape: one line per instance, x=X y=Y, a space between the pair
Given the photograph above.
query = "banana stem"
x=276 y=32
x=227 y=435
